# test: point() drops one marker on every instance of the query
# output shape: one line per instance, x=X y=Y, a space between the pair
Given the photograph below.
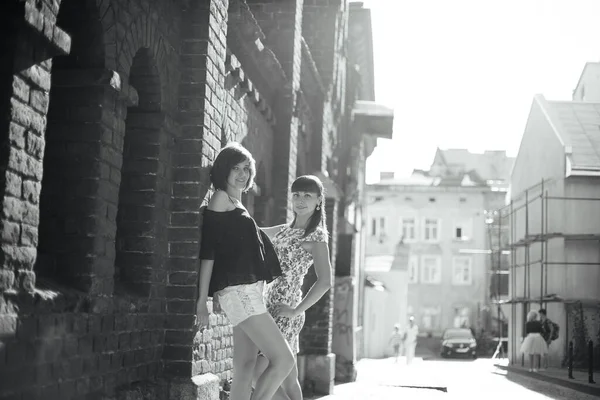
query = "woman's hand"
x=201 y=314
x=283 y=310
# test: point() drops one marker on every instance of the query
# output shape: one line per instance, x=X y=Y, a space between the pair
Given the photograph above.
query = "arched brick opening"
x=141 y=240
x=72 y=177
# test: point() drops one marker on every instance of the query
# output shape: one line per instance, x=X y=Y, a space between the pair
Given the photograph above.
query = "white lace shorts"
x=242 y=301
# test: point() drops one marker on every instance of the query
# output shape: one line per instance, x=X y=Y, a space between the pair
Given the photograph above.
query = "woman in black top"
x=534 y=344
x=236 y=259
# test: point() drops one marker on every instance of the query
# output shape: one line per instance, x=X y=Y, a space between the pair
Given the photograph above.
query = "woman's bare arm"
x=320 y=253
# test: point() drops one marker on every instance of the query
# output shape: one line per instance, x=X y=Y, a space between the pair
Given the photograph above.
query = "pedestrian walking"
x=549 y=333
x=410 y=340
x=534 y=344
x=395 y=341
x=299 y=244
x=236 y=260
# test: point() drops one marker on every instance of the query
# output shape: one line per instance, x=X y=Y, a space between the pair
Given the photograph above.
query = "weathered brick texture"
x=113 y=111
x=281 y=23
x=201 y=115
x=88 y=143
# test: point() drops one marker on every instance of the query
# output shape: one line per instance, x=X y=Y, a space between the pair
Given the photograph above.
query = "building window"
x=462 y=230
x=432 y=199
x=431 y=230
x=463 y=199
x=382 y=234
x=374 y=227
x=430 y=319
x=462 y=270
x=431 y=269
x=413 y=269
x=409 y=229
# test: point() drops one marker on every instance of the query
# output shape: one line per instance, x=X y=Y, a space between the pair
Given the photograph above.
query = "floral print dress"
x=287 y=288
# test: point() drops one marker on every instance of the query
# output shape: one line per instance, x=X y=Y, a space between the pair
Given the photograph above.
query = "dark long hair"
x=229 y=156
x=312 y=184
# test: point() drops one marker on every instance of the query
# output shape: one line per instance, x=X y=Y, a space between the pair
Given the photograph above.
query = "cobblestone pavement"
x=446 y=379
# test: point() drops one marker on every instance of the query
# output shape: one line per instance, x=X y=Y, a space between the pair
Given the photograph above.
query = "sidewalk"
x=560 y=377
x=387 y=379
x=363 y=391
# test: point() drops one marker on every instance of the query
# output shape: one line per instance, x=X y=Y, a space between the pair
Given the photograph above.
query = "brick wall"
x=281 y=23
x=121 y=171
x=104 y=162
x=202 y=96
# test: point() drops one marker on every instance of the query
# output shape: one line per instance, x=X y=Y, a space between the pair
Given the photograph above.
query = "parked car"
x=458 y=342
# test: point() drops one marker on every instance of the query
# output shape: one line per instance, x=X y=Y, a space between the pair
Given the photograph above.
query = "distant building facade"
x=441 y=215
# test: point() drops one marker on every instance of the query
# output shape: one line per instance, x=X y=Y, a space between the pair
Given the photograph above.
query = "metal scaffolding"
x=517 y=214
x=498 y=286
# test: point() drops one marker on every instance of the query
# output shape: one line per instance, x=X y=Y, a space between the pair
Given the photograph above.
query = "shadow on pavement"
x=438 y=388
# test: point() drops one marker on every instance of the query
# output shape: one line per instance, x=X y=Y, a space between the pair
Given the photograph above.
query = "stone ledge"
x=201 y=387
x=96 y=77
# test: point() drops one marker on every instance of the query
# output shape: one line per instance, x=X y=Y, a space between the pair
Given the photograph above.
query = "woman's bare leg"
x=261 y=365
x=265 y=334
x=244 y=359
x=291 y=385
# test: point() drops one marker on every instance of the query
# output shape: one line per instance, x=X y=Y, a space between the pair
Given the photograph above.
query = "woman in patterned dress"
x=299 y=245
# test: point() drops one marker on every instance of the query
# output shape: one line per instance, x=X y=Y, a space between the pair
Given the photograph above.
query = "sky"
x=463 y=73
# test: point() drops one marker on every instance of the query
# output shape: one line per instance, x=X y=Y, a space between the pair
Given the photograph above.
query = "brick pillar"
x=189 y=358
x=320 y=31
x=281 y=22
x=33 y=40
x=324 y=30
x=79 y=195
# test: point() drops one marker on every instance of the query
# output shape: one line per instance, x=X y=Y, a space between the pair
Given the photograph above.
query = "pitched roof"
x=424 y=178
x=577 y=124
x=489 y=165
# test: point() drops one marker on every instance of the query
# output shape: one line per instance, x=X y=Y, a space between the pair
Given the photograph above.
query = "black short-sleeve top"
x=533 y=327
x=241 y=251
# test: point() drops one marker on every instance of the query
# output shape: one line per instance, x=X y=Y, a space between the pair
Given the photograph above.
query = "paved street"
x=445 y=379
